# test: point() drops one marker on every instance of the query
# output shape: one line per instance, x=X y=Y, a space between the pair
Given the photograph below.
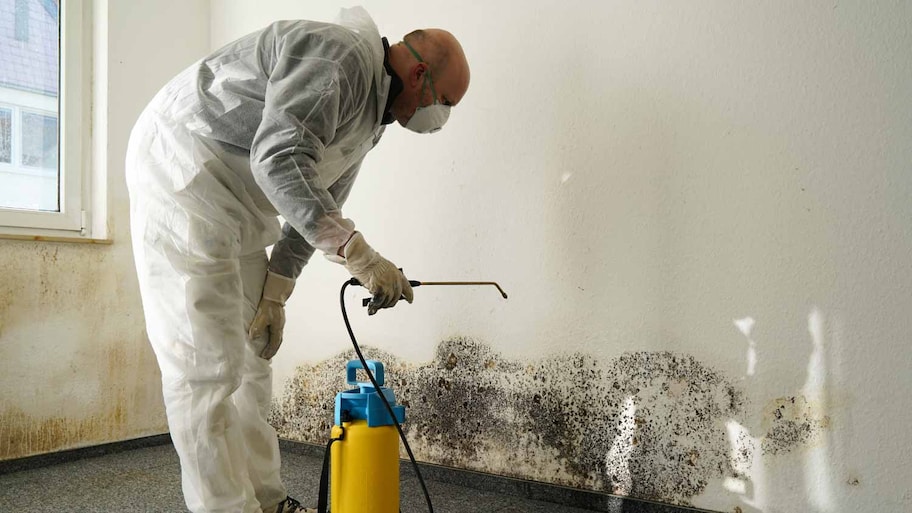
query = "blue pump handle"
x=351 y=372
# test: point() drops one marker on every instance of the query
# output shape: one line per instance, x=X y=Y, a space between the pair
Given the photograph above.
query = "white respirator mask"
x=427 y=120
x=430 y=118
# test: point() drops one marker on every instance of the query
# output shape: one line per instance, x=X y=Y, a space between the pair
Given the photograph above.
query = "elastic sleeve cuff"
x=278 y=288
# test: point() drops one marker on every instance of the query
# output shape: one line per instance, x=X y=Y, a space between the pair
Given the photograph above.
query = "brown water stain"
x=125 y=407
x=22 y=435
x=95 y=306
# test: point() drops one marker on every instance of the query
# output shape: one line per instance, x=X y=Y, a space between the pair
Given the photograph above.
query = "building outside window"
x=29 y=106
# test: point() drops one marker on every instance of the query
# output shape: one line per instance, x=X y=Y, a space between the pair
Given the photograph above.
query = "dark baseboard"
x=534 y=490
x=53 y=458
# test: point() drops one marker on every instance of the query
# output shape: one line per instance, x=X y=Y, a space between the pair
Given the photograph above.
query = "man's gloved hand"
x=385 y=282
x=271 y=312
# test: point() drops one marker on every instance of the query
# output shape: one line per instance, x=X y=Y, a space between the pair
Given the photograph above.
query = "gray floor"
x=148 y=480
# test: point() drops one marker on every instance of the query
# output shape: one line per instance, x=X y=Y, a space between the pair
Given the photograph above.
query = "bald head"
x=442 y=51
x=442 y=58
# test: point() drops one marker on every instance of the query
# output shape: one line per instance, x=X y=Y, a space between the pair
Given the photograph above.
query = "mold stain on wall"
x=650 y=425
x=646 y=424
x=792 y=421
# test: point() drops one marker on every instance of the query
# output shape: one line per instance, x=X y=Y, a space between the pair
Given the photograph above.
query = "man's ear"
x=417 y=73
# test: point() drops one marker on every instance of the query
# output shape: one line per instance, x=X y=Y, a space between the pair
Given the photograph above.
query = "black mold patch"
x=649 y=425
x=791 y=422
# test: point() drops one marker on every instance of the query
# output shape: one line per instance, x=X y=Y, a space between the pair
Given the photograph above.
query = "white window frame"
x=74 y=125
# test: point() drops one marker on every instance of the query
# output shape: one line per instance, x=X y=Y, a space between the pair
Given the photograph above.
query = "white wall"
x=75 y=366
x=726 y=181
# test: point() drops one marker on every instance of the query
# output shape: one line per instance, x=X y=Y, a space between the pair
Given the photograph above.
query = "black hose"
x=373 y=381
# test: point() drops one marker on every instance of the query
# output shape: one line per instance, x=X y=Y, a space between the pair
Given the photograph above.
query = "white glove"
x=271 y=312
x=385 y=282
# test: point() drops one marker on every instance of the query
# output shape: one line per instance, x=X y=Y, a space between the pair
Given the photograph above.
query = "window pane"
x=39 y=141
x=6 y=136
x=29 y=85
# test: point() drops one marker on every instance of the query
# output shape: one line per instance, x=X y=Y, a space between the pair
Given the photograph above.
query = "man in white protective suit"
x=275 y=123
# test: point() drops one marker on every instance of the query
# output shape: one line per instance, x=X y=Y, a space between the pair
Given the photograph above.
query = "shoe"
x=290 y=505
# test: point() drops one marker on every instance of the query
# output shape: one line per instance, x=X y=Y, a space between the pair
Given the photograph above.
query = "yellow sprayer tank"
x=364 y=461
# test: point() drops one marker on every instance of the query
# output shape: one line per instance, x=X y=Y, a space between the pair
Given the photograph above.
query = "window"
x=39 y=140
x=28 y=160
x=43 y=117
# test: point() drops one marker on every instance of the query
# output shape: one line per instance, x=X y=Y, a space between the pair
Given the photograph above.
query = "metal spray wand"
x=415 y=283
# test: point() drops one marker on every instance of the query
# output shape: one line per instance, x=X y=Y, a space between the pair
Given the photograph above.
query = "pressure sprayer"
x=363 y=450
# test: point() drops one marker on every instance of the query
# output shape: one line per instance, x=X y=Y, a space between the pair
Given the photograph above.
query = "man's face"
x=418 y=92
x=449 y=86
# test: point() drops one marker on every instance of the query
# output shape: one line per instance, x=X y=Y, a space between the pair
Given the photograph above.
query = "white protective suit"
x=274 y=123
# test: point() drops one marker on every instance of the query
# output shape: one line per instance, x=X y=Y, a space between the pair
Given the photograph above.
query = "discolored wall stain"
x=22 y=434
x=790 y=422
x=76 y=368
x=122 y=409
x=651 y=425
x=646 y=424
